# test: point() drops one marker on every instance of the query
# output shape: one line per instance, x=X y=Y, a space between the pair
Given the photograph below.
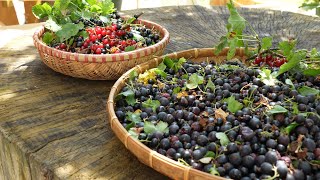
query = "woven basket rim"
x=196 y=52
x=66 y=55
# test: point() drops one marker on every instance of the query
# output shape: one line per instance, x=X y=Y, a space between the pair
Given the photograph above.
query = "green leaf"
x=149 y=127
x=176 y=90
x=289 y=82
x=133 y=117
x=47 y=37
x=161 y=72
x=268 y=78
x=266 y=43
x=206 y=160
x=277 y=109
x=211 y=85
x=131 y=20
x=129 y=97
x=210 y=154
x=310 y=5
x=291 y=127
x=295 y=109
x=52 y=25
x=287 y=47
x=130 y=125
x=133 y=133
x=194 y=81
x=232 y=48
x=168 y=62
x=162 y=66
x=68 y=30
x=224 y=140
x=104 y=19
x=162 y=127
x=39 y=11
x=96 y=8
x=222 y=44
x=138 y=37
x=238 y=23
x=152 y=104
x=233 y=104
x=92 y=2
x=61 y=4
x=185 y=76
x=107 y=7
x=311 y=72
x=181 y=61
x=84 y=34
x=133 y=74
x=214 y=171
x=305 y=90
x=314 y=53
x=129 y=48
x=317 y=162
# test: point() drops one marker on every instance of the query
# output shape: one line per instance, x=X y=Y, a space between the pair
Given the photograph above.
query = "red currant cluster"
x=270 y=60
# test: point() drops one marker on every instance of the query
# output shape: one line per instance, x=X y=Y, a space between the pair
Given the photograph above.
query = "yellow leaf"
x=219 y=113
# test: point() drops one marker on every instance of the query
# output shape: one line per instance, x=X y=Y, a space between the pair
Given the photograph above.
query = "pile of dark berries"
x=260 y=144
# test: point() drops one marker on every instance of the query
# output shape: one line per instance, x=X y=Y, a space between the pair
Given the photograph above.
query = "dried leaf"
x=203 y=122
x=182 y=94
x=302 y=154
x=264 y=101
x=206 y=160
x=219 y=113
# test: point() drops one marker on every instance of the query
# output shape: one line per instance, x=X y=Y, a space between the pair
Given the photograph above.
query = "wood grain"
x=55 y=127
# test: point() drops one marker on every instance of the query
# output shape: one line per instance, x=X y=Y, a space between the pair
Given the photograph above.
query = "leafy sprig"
x=303 y=61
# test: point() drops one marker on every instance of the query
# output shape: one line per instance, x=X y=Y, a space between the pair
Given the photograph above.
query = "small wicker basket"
x=162 y=164
x=99 y=67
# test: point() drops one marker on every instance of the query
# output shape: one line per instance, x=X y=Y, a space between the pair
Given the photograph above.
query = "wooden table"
x=55 y=127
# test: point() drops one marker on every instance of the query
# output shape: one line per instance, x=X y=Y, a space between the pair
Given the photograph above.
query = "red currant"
x=93 y=37
x=257 y=60
x=63 y=46
x=103 y=32
x=98 y=51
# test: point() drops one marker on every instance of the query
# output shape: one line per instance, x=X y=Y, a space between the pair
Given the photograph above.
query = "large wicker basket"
x=162 y=164
x=99 y=67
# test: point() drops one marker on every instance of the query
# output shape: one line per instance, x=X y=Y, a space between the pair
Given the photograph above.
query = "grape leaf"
x=266 y=43
x=222 y=44
x=154 y=104
x=84 y=34
x=233 y=104
x=47 y=37
x=95 y=8
x=305 y=90
x=232 y=48
x=129 y=48
x=211 y=85
x=194 y=81
x=68 y=30
x=290 y=127
x=224 y=140
x=277 y=109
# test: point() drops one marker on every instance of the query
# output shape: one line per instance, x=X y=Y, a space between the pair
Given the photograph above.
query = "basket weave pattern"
x=99 y=67
x=161 y=163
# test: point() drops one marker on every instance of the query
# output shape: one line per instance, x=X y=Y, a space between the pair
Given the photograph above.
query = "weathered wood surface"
x=55 y=127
